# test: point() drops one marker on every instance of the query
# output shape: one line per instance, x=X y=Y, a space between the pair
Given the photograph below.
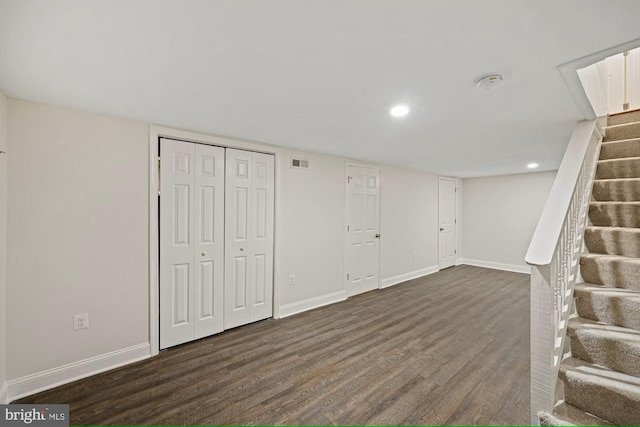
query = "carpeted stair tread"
x=615 y=306
x=620 y=149
x=622 y=131
x=615 y=214
x=567 y=415
x=602 y=392
x=610 y=346
x=617 y=190
x=613 y=240
x=628 y=167
x=610 y=270
x=621 y=118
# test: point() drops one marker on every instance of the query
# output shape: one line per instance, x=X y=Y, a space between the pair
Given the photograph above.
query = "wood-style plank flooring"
x=449 y=348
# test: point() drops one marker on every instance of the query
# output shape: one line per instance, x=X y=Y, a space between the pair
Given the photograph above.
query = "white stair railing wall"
x=554 y=256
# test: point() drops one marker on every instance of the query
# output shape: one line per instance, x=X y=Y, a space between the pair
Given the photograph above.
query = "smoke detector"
x=488 y=81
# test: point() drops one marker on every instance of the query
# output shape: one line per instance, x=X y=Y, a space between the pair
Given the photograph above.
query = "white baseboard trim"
x=4 y=394
x=54 y=377
x=311 y=303
x=495 y=265
x=408 y=276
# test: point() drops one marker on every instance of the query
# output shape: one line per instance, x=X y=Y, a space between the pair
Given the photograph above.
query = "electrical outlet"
x=292 y=279
x=80 y=321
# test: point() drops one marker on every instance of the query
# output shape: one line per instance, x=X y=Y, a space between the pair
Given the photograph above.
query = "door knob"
x=204 y=254
x=377 y=235
x=241 y=249
x=441 y=229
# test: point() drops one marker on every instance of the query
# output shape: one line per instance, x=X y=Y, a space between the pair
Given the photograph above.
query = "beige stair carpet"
x=601 y=376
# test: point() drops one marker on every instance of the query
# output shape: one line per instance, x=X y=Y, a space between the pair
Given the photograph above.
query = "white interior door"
x=191 y=241
x=447 y=222
x=249 y=237
x=363 y=228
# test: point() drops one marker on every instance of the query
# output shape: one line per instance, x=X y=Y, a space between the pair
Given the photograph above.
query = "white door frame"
x=346 y=219
x=156 y=132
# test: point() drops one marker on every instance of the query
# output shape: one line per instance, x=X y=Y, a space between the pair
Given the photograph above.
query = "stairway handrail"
x=554 y=256
x=545 y=238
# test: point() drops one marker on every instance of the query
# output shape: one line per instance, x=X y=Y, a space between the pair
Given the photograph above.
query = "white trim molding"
x=4 y=394
x=54 y=377
x=495 y=265
x=311 y=303
x=408 y=276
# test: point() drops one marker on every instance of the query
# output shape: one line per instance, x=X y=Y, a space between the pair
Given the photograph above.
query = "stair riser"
x=615 y=274
x=621 y=168
x=618 y=119
x=626 y=131
x=601 y=401
x=617 y=311
x=615 y=215
x=608 y=352
x=617 y=150
x=617 y=191
x=625 y=242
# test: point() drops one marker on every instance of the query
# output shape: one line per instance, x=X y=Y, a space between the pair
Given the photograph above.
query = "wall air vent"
x=298 y=163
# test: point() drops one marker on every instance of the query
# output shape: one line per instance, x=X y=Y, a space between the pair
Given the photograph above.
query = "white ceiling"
x=321 y=75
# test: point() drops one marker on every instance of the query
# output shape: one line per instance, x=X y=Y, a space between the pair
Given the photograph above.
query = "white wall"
x=409 y=224
x=311 y=232
x=595 y=88
x=78 y=236
x=78 y=222
x=499 y=217
x=3 y=248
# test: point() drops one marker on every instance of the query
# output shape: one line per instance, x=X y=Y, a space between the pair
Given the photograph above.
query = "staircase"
x=601 y=376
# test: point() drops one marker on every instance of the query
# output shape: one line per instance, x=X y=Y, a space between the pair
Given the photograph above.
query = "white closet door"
x=209 y=239
x=191 y=241
x=248 y=237
x=176 y=242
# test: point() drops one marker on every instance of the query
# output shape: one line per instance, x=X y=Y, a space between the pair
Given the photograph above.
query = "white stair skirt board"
x=495 y=265
x=4 y=394
x=311 y=303
x=54 y=377
x=409 y=276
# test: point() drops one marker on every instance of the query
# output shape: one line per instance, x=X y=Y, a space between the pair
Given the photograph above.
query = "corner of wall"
x=459 y=212
x=4 y=394
x=3 y=247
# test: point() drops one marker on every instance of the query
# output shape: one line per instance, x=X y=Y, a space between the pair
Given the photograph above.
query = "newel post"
x=543 y=376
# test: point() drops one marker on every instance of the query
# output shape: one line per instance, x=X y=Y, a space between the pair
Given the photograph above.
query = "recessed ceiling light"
x=532 y=165
x=399 y=111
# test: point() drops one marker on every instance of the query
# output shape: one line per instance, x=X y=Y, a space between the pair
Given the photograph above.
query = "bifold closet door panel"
x=209 y=238
x=249 y=208
x=191 y=241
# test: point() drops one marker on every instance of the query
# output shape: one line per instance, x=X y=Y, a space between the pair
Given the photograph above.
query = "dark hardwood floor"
x=450 y=348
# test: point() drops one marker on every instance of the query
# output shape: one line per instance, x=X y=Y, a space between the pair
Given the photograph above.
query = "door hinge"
x=158 y=176
x=625 y=106
x=347 y=276
x=347 y=228
x=455 y=221
x=625 y=53
x=455 y=251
